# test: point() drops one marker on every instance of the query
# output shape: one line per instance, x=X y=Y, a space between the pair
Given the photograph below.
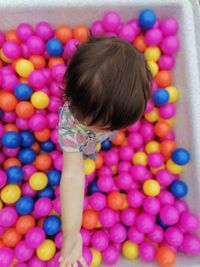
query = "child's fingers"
x=82 y=261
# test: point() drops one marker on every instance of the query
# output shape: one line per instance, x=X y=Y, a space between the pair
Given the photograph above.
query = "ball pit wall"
x=186 y=71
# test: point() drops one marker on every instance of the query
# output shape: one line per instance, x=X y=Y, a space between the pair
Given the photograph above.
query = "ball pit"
x=132 y=200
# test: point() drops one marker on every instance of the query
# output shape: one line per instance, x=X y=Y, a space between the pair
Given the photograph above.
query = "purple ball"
x=100 y=240
x=145 y=223
x=58 y=72
x=44 y=30
x=135 y=236
x=37 y=79
x=166 y=62
x=59 y=240
x=35 y=45
x=20 y=265
x=188 y=221
x=9 y=82
x=157 y=235
x=111 y=21
x=6 y=256
x=104 y=170
x=38 y=122
x=128 y=216
x=11 y=49
x=153 y=37
x=126 y=153
x=164 y=177
x=105 y=183
x=24 y=31
x=151 y=205
x=98 y=201
x=191 y=244
x=170 y=45
x=107 y=217
x=135 y=198
x=124 y=181
x=110 y=255
x=174 y=236
x=118 y=233
x=2 y=39
x=169 y=215
x=169 y=26
x=127 y=33
x=8 y=216
x=147 y=251
x=97 y=29
x=87 y=255
x=23 y=252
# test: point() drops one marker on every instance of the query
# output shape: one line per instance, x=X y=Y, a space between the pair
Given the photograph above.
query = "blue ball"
x=11 y=139
x=27 y=138
x=52 y=225
x=26 y=155
x=178 y=189
x=46 y=192
x=14 y=174
x=47 y=146
x=54 y=177
x=25 y=205
x=161 y=223
x=106 y=145
x=93 y=187
x=160 y=97
x=54 y=47
x=181 y=156
x=23 y=91
x=147 y=18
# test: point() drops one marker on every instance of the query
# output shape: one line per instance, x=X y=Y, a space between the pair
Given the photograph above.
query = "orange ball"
x=1 y=243
x=115 y=200
x=99 y=161
x=25 y=110
x=24 y=223
x=90 y=219
x=43 y=135
x=166 y=148
x=140 y=43
x=11 y=237
x=119 y=139
x=165 y=256
x=63 y=33
x=55 y=61
x=11 y=35
x=162 y=128
x=36 y=147
x=8 y=101
x=43 y=162
x=38 y=61
x=10 y=127
x=11 y=162
x=164 y=78
x=81 y=32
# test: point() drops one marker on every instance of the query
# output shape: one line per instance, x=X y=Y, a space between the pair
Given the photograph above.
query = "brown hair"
x=107 y=82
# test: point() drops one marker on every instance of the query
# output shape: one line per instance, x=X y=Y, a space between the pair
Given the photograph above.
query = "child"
x=107 y=88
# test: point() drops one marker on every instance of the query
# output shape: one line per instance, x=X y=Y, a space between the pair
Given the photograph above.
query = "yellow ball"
x=151 y=188
x=1 y=204
x=24 y=67
x=98 y=147
x=140 y=158
x=130 y=250
x=10 y=193
x=152 y=53
x=38 y=181
x=40 y=100
x=4 y=58
x=173 y=93
x=152 y=146
x=153 y=66
x=173 y=167
x=155 y=170
x=89 y=166
x=170 y=121
x=46 y=250
x=152 y=116
x=96 y=258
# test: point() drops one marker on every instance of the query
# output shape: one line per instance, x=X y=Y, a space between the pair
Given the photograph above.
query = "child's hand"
x=71 y=251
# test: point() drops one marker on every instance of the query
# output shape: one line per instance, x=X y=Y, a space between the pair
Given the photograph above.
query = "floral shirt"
x=75 y=137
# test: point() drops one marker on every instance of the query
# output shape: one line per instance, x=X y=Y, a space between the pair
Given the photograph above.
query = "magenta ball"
x=135 y=25
x=100 y=240
x=191 y=244
x=134 y=127
x=124 y=181
x=35 y=237
x=56 y=205
x=1 y=130
x=110 y=255
x=6 y=256
x=9 y=117
x=170 y=45
x=57 y=72
x=58 y=163
x=43 y=206
x=174 y=236
x=169 y=26
x=166 y=62
x=169 y=215
x=54 y=104
x=166 y=197
x=164 y=177
x=8 y=216
x=107 y=217
x=22 y=124
x=11 y=49
x=135 y=198
x=28 y=171
x=189 y=222
x=9 y=82
x=35 y=45
x=27 y=190
x=135 y=140
x=118 y=233
x=104 y=170
x=25 y=51
x=97 y=29
x=126 y=153
x=105 y=183
x=157 y=235
x=59 y=240
x=37 y=79
x=151 y=205
x=10 y=152
x=38 y=122
x=155 y=160
x=87 y=255
x=147 y=251
x=153 y=37
x=181 y=205
x=44 y=30
x=135 y=236
x=150 y=106
x=20 y=265
x=111 y=158
x=127 y=33
x=111 y=21
x=23 y=252
x=97 y=201
x=71 y=47
x=147 y=131
x=167 y=111
x=86 y=236
x=3 y=178
x=124 y=166
x=36 y=262
x=128 y=216
x=139 y=173
x=145 y=223
x=24 y=31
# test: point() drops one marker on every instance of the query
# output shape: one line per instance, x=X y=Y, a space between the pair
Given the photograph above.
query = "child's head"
x=107 y=83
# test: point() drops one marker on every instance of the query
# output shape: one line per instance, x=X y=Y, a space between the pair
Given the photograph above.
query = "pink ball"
x=104 y=170
x=24 y=31
x=124 y=181
x=157 y=235
x=38 y=122
x=58 y=72
x=54 y=136
x=37 y=79
x=87 y=255
x=43 y=206
x=167 y=111
x=100 y=240
x=86 y=236
x=169 y=215
x=155 y=160
x=23 y=252
x=28 y=170
x=135 y=198
x=145 y=223
x=166 y=62
x=59 y=240
x=174 y=236
x=90 y=177
x=118 y=233
x=9 y=82
x=47 y=74
x=153 y=37
x=164 y=177
x=85 y=202
x=127 y=33
x=97 y=29
x=111 y=158
x=181 y=205
x=3 y=178
x=98 y=201
x=54 y=104
x=151 y=205
x=147 y=131
x=166 y=197
x=8 y=216
x=25 y=51
x=6 y=256
x=11 y=49
x=135 y=236
x=22 y=124
x=2 y=158
x=44 y=30
x=134 y=127
x=105 y=183
x=110 y=255
x=35 y=237
x=147 y=251
x=124 y=166
x=126 y=153
x=71 y=47
x=9 y=117
x=188 y=221
x=139 y=173
x=135 y=25
x=191 y=244
x=56 y=205
x=169 y=26
x=27 y=190
x=20 y=265
x=150 y=106
x=10 y=152
x=170 y=45
x=111 y=21
x=35 y=45
x=36 y=262
x=128 y=216
x=58 y=163
x=135 y=140
x=107 y=217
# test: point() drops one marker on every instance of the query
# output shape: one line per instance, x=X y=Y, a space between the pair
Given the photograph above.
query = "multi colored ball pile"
x=133 y=192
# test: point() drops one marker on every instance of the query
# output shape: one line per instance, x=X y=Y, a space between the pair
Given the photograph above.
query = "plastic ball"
x=164 y=78
x=173 y=93
x=54 y=177
x=54 y=47
x=110 y=255
x=169 y=214
x=128 y=216
x=25 y=205
x=165 y=256
x=46 y=250
x=174 y=236
x=188 y=221
x=89 y=166
x=111 y=158
x=164 y=177
x=124 y=181
x=157 y=235
x=147 y=251
x=135 y=236
x=38 y=181
x=169 y=26
x=127 y=33
x=11 y=139
x=52 y=225
x=181 y=156
x=111 y=21
x=39 y=100
x=107 y=217
x=46 y=192
x=10 y=193
x=11 y=50
x=24 y=110
x=145 y=223
x=130 y=250
x=6 y=256
x=44 y=30
x=100 y=240
x=93 y=187
x=24 y=67
x=35 y=45
x=23 y=91
x=24 y=31
x=162 y=128
x=115 y=200
x=90 y=219
x=173 y=167
x=170 y=45
x=118 y=233
x=151 y=205
x=152 y=53
x=135 y=198
x=160 y=96
x=14 y=174
x=147 y=18
x=140 y=158
x=151 y=188
x=153 y=66
x=179 y=189
x=26 y=155
x=166 y=62
x=37 y=80
x=35 y=237
x=191 y=244
x=96 y=257
x=8 y=216
x=98 y=201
